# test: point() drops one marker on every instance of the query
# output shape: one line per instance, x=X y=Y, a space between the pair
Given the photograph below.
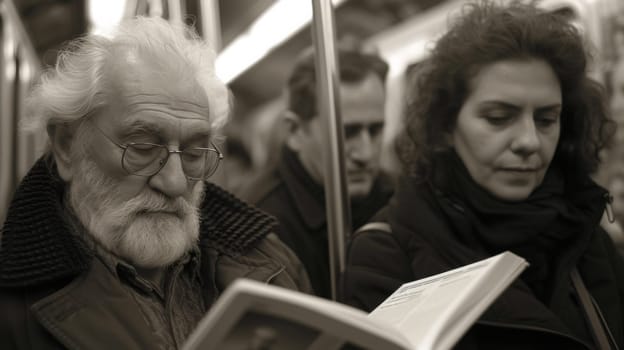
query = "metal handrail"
x=210 y=22
x=7 y=7
x=19 y=65
x=336 y=197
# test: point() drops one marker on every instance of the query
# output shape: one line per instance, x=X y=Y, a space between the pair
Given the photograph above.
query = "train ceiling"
x=52 y=22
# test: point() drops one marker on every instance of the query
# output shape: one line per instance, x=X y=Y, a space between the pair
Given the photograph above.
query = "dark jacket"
x=54 y=294
x=298 y=203
x=425 y=243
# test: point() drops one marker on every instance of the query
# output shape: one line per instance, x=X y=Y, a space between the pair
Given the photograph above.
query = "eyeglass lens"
x=148 y=159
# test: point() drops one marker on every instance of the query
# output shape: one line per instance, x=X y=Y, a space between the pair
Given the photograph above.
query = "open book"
x=431 y=313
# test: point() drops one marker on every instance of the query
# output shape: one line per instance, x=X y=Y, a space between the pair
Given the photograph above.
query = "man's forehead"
x=180 y=108
x=163 y=126
x=134 y=82
x=160 y=114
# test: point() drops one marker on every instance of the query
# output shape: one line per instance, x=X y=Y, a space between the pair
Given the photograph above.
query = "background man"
x=293 y=191
x=113 y=240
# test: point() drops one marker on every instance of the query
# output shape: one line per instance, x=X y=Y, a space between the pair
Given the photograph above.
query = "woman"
x=504 y=132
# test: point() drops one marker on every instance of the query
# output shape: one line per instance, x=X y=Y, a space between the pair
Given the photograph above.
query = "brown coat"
x=55 y=295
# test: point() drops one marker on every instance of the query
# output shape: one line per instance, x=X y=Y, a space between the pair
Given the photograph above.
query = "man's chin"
x=360 y=189
x=157 y=240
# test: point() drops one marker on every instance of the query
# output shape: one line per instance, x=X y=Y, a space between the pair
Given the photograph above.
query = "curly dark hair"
x=353 y=67
x=483 y=34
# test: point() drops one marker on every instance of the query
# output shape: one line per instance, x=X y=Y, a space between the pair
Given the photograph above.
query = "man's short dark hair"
x=354 y=67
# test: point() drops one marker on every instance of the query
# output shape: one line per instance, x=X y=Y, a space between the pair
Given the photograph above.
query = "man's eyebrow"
x=199 y=136
x=142 y=126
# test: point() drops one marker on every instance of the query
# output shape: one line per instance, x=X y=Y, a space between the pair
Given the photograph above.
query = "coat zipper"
x=271 y=277
x=609 y=207
x=169 y=303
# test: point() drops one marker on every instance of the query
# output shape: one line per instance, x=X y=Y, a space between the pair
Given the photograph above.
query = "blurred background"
x=257 y=42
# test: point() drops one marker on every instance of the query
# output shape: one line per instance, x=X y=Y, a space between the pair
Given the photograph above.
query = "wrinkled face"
x=150 y=221
x=362 y=109
x=508 y=128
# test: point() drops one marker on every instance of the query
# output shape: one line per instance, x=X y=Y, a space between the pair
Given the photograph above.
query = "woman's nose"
x=526 y=138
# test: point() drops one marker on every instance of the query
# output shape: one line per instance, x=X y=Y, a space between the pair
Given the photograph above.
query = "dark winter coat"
x=55 y=295
x=298 y=203
x=425 y=240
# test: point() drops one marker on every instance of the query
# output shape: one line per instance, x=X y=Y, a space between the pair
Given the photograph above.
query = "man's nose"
x=617 y=99
x=617 y=106
x=171 y=179
x=526 y=140
x=361 y=147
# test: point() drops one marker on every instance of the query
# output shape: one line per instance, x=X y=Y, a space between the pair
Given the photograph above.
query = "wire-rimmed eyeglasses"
x=147 y=159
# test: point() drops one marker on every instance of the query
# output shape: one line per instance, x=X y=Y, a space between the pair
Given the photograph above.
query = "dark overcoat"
x=55 y=295
x=424 y=243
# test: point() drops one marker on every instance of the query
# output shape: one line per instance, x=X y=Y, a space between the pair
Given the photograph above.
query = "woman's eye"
x=546 y=121
x=497 y=119
x=547 y=118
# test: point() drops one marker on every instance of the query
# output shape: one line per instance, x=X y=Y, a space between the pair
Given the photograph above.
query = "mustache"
x=154 y=203
x=97 y=188
x=133 y=210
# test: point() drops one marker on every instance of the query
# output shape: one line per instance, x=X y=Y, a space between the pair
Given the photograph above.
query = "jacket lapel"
x=95 y=312
x=258 y=268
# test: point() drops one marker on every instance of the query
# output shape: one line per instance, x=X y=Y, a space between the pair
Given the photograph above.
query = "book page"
x=434 y=312
x=294 y=320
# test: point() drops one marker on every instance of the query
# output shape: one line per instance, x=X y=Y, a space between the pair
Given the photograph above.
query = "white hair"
x=78 y=83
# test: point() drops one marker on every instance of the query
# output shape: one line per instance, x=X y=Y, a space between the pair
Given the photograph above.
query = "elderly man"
x=293 y=191
x=114 y=240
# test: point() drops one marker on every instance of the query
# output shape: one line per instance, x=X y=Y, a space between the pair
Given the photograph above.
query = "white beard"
x=137 y=229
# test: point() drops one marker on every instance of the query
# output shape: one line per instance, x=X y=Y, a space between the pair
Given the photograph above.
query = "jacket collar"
x=307 y=195
x=38 y=247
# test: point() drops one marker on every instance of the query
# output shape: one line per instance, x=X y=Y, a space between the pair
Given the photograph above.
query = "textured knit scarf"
x=551 y=221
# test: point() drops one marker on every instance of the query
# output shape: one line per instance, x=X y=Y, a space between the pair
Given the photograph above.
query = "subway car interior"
x=257 y=44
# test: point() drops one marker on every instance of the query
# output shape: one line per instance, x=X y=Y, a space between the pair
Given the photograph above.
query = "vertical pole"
x=210 y=23
x=7 y=126
x=28 y=149
x=176 y=11
x=130 y=8
x=16 y=53
x=327 y=82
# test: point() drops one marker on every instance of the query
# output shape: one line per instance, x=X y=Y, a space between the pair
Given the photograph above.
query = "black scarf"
x=556 y=219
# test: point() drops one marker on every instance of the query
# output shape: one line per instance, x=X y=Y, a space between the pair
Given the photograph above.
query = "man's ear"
x=294 y=129
x=61 y=137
